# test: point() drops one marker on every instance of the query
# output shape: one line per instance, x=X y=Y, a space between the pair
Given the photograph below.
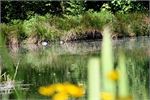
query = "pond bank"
x=14 y=43
x=87 y=26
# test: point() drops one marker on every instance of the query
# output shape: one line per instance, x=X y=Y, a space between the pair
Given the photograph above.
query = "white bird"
x=61 y=42
x=44 y=43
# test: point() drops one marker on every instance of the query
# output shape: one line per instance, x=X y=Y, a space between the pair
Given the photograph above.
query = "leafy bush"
x=74 y=7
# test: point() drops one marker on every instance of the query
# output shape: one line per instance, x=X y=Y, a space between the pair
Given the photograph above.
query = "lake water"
x=57 y=63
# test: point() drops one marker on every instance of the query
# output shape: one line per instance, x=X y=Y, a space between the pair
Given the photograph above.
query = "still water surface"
x=40 y=65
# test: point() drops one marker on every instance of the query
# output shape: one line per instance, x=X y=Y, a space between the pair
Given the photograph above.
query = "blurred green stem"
x=107 y=62
x=94 y=79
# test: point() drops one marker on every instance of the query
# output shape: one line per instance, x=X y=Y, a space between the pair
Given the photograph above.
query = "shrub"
x=96 y=20
x=67 y=23
x=74 y=7
x=42 y=27
x=29 y=27
x=13 y=30
x=131 y=23
x=140 y=27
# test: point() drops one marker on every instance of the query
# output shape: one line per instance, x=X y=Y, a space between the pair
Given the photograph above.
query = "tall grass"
x=5 y=57
x=7 y=77
x=123 y=82
x=138 y=68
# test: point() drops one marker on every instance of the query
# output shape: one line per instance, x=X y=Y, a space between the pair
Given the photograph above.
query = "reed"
x=94 y=79
x=107 y=62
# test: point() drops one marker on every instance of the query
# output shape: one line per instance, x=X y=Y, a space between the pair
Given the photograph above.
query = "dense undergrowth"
x=68 y=27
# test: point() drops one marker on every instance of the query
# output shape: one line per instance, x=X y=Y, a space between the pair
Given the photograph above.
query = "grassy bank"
x=68 y=28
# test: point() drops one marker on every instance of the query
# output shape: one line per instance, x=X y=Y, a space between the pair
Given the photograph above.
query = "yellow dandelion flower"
x=60 y=87
x=74 y=91
x=113 y=75
x=106 y=96
x=60 y=96
x=46 y=90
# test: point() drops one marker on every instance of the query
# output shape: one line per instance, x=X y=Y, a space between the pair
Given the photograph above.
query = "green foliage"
x=96 y=20
x=139 y=6
x=137 y=67
x=131 y=23
x=75 y=7
x=122 y=6
x=17 y=25
x=26 y=9
x=67 y=22
x=140 y=29
x=29 y=26
x=120 y=24
x=4 y=29
x=5 y=57
x=39 y=25
x=138 y=24
x=105 y=6
x=13 y=30
x=127 y=6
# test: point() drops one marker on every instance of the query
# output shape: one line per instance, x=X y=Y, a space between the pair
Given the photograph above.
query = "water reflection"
x=81 y=47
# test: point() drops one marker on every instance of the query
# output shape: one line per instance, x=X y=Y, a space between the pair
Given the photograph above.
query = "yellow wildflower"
x=113 y=75
x=60 y=87
x=73 y=90
x=60 y=96
x=62 y=91
x=106 y=96
x=46 y=90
